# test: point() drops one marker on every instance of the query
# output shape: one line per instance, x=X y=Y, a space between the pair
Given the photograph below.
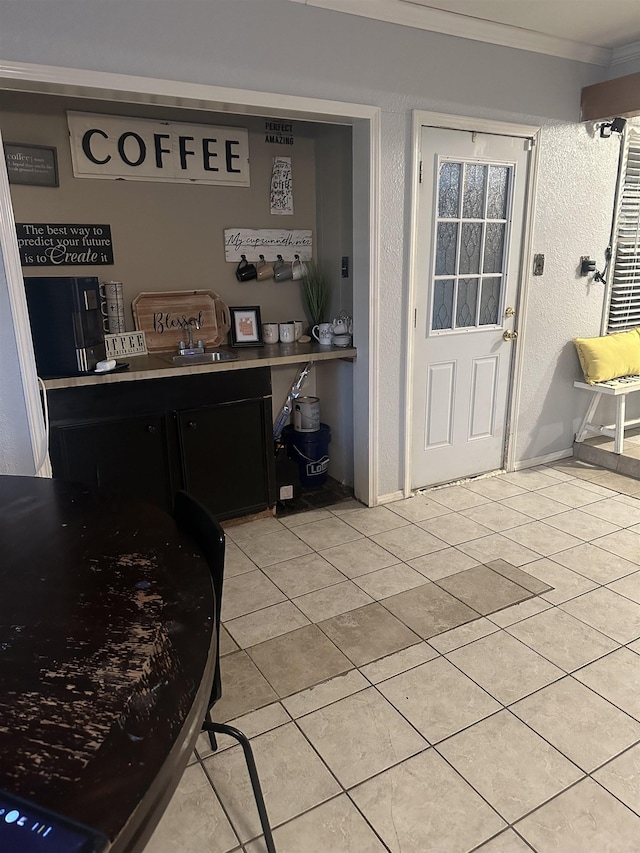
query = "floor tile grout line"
x=557 y=748
x=478 y=848
x=511 y=823
x=582 y=595
x=225 y=811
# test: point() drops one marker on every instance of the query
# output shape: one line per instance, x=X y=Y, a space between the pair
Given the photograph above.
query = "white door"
x=470 y=221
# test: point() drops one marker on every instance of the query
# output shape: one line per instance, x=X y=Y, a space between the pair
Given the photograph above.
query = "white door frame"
x=365 y=121
x=453 y=122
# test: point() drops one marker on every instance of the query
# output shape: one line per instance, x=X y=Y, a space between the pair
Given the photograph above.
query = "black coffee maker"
x=66 y=324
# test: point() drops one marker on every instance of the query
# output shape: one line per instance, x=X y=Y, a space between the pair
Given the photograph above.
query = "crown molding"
x=626 y=53
x=409 y=14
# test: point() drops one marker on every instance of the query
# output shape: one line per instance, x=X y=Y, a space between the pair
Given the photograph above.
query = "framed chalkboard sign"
x=36 y=165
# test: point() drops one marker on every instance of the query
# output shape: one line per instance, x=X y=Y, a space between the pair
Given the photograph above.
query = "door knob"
x=192 y=425
x=509 y=336
x=510 y=312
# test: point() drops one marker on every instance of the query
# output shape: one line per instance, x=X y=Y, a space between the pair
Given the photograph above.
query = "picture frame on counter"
x=35 y=165
x=246 y=326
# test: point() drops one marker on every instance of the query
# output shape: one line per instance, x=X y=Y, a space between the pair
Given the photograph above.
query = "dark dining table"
x=107 y=654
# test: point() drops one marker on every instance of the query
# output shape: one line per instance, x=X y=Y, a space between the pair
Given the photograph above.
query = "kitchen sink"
x=202 y=358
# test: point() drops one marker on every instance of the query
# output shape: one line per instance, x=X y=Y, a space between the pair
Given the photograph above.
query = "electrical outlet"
x=538 y=264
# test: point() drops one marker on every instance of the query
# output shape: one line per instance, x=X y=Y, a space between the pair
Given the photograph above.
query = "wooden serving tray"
x=164 y=317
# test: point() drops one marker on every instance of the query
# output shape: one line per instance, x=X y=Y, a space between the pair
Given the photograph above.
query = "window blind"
x=624 y=301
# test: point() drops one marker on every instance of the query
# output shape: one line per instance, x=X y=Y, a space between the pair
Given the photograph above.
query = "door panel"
x=483 y=397
x=470 y=221
x=439 y=416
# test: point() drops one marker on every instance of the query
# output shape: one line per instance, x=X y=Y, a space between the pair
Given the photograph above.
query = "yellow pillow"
x=609 y=356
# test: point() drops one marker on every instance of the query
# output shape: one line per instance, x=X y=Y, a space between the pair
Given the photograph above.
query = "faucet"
x=190 y=348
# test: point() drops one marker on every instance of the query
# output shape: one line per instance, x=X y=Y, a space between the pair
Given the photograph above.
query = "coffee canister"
x=306 y=414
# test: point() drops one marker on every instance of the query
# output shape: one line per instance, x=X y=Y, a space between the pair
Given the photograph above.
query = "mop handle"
x=293 y=393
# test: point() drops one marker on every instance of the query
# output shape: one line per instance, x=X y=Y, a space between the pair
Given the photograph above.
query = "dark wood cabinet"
x=209 y=433
x=226 y=440
x=129 y=454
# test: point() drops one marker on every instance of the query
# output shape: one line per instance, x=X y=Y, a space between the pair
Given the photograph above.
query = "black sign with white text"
x=47 y=244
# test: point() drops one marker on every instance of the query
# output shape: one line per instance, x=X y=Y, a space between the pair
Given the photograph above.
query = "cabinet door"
x=226 y=457
x=127 y=454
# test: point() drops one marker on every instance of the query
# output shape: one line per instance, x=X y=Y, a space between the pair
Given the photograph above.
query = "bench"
x=618 y=388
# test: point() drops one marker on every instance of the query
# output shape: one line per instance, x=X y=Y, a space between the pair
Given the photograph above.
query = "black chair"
x=208 y=535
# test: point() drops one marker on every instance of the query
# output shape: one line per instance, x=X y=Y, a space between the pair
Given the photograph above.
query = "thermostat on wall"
x=125 y=343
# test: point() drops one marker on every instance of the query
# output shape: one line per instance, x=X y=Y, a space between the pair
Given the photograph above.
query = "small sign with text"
x=46 y=244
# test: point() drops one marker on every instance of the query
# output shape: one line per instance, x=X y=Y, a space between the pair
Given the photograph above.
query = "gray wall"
x=282 y=47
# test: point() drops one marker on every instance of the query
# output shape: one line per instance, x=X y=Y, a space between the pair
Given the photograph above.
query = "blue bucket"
x=311 y=452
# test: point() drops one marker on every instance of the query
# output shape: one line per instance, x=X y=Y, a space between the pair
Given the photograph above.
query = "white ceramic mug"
x=322 y=333
x=298 y=268
x=270 y=333
x=287 y=333
x=298 y=328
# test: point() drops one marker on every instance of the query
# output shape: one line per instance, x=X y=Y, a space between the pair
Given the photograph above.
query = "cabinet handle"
x=192 y=425
x=151 y=428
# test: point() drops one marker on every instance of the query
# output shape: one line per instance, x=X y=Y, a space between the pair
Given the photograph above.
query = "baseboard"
x=391 y=497
x=543 y=460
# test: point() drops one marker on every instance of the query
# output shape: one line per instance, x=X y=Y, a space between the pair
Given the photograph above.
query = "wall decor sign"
x=281 y=197
x=125 y=343
x=47 y=244
x=138 y=149
x=270 y=242
x=278 y=132
x=35 y=165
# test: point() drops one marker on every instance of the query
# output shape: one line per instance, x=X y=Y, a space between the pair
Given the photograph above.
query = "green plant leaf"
x=315 y=291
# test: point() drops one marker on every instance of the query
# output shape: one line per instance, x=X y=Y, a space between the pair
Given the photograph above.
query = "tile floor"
x=599 y=450
x=454 y=672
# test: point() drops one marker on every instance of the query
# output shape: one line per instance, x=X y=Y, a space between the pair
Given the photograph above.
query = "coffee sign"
x=137 y=149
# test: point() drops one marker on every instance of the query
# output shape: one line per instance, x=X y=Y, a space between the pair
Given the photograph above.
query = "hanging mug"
x=264 y=269
x=282 y=270
x=245 y=271
x=298 y=268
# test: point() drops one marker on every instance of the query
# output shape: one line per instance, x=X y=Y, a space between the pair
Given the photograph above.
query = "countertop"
x=160 y=366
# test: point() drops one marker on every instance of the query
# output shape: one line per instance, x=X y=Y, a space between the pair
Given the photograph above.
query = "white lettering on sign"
x=281 y=197
x=137 y=149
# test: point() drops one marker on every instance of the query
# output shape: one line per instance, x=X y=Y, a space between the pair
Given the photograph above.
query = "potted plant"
x=315 y=291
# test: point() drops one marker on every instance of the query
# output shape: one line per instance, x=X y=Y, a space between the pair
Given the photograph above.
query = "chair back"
x=192 y=517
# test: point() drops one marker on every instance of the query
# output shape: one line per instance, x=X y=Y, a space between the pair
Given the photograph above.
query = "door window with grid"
x=473 y=212
x=624 y=296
